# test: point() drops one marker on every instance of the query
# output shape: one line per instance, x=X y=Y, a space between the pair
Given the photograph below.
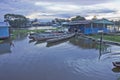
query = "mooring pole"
x=101 y=42
x=101 y=36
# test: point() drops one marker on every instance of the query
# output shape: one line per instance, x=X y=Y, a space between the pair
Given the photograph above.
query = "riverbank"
x=109 y=39
x=25 y=31
x=1 y=41
x=16 y=32
x=115 y=38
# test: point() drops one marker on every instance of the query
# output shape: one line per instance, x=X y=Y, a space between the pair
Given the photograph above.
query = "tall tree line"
x=59 y=21
x=15 y=20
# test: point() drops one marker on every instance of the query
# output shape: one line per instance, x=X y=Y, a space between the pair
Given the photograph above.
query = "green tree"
x=94 y=18
x=77 y=18
x=16 y=20
x=59 y=21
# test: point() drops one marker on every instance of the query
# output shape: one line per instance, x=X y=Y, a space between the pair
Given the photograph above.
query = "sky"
x=50 y=9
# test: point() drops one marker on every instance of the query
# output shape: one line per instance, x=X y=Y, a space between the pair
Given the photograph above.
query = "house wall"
x=95 y=30
x=87 y=29
x=4 y=32
x=81 y=29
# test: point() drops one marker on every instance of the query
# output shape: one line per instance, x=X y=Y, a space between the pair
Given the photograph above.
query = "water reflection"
x=31 y=41
x=116 y=69
x=20 y=36
x=56 y=43
x=38 y=42
x=5 y=47
x=30 y=61
x=88 y=44
x=83 y=43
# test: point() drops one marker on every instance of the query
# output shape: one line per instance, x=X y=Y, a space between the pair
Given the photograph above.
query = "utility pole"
x=101 y=38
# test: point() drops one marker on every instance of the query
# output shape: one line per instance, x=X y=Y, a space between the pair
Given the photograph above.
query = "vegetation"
x=1 y=41
x=17 y=32
x=15 y=20
x=59 y=21
x=77 y=18
x=108 y=37
x=25 y=31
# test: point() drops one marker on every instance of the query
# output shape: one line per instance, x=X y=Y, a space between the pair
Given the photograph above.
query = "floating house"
x=4 y=30
x=89 y=26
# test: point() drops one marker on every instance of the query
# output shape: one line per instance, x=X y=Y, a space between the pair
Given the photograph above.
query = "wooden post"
x=84 y=28
x=103 y=26
x=100 y=50
x=114 y=26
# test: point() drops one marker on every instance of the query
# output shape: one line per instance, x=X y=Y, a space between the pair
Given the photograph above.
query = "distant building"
x=4 y=30
x=89 y=26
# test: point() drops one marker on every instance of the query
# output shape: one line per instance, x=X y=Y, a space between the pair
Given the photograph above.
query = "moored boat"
x=45 y=36
x=62 y=37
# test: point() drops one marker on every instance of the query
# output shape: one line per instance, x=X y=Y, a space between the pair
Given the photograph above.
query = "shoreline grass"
x=1 y=41
x=115 y=38
x=16 y=32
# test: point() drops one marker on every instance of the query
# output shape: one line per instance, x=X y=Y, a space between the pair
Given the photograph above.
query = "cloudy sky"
x=50 y=9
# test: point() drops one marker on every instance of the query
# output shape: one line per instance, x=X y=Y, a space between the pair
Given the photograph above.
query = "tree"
x=59 y=21
x=77 y=18
x=16 y=20
x=94 y=18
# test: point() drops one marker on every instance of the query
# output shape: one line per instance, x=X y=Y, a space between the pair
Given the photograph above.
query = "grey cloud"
x=78 y=2
x=100 y=11
x=86 y=12
x=66 y=15
x=27 y=7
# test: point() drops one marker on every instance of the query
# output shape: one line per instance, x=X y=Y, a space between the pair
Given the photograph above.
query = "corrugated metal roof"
x=103 y=21
x=78 y=22
x=98 y=21
x=4 y=24
x=81 y=22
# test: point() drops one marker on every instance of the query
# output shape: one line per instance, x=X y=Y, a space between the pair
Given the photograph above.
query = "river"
x=73 y=59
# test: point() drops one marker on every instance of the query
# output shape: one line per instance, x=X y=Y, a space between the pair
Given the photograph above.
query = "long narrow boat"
x=45 y=36
x=63 y=37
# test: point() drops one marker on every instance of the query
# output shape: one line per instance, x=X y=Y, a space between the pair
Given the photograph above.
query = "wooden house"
x=89 y=26
x=4 y=30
